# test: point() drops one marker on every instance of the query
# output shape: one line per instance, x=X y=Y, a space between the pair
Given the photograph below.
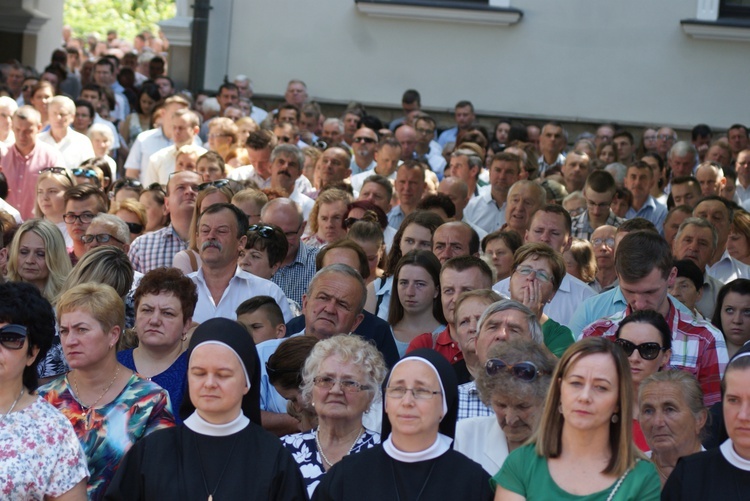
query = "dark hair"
x=557 y=209
x=236 y=211
x=168 y=281
x=438 y=201
x=3 y=186
x=85 y=104
x=701 y=130
x=462 y=263
x=425 y=219
x=639 y=253
x=624 y=194
x=284 y=367
x=624 y=133
x=22 y=303
x=688 y=269
x=276 y=245
x=82 y=192
x=511 y=239
x=652 y=318
x=151 y=90
x=382 y=218
x=636 y=224
x=740 y=286
x=105 y=61
x=411 y=96
x=427 y=261
x=345 y=243
x=601 y=181
x=270 y=307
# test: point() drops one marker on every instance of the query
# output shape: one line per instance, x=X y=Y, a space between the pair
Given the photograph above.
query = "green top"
x=526 y=473
x=557 y=337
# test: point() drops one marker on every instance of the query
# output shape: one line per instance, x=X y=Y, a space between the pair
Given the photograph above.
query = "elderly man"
x=696 y=240
x=599 y=192
x=466 y=165
x=364 y=142
x=487 y=210
x=710 y=175
x=378 y=190
x=455 y=189
x=681 y=159
x=333 y=131
x=296 y=93
x=638 y=181
x=524 y=199
x=410 y=186
x=665 y=138
x=455 y=239
x=74 y=146
x=221 y=284
x=162 y=163
x=407 y=138
x=23 y=161
x=464 y=115
x=742 y=166
x=286 y=167
x=721 y=265
x=552 y=142
x=603 y=240
x=333 y=166
x=107 y=229
x=738 y=138
x=575 y=170
x=387 y=157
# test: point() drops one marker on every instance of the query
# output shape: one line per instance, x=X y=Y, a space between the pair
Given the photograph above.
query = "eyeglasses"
x=219 y=183
x=595 y=205
x=399 y=392
x=665 y=137
x=58 y=170
x=647 y=351
x=88 y=173
x=525 y=371
x=12 y=336
x=135 y=228
x=126 y=182
x=608 y=242
x=347 y=385
x=102 y=238
x=541 y=275
x=367 y=140
x=295 y=232
x=84 y=218
x=262 y=230
x=156 y=187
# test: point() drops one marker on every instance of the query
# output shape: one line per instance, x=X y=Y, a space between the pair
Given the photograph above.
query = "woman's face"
x=245 y=130
x=83 y=119
x=517 y=417
x=101 y=144
x=293 y=395
x=666 y=420
x=84 y=341
x=607 y=155
x=216 y=383
x=13 y=362
x=209 y=169
x=571 y=265
x=502 y=257
x=467 y=317
x=735 y=318
x=589 y=393
x=738 y=246
x=374 y=252
x=416 y=289
x=159 y=321
x=501 y=132
x=639 y=333
x=255 y=261
x=129 y=217
x=147 y=104
x=41 y=98
x=408 y=416
x=736 y=405
x=335 y=402
x=331 y=221
x=50 y=197
x=525 y=284
x=156 y=213
x=415 y=237
x=31 y=263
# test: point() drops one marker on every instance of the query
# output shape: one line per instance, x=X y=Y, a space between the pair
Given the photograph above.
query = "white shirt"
x=99 y=120
x=305 y=203
x=6 y=207
x=482 y=440
x=161 y=164
x=146 y=144
x=482 y=211
x=357 y=180
x=75 y=147
x=569 y=296
x=242 y=286
x=258 y=114
x=356 y=168
x=727 y=269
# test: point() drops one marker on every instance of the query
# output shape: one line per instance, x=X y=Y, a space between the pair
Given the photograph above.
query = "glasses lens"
x=12 y=341
x=87 y=239
x=135 y=227
x=494 y=366
x=626 y=346
x=525 y=371
x=649 y=351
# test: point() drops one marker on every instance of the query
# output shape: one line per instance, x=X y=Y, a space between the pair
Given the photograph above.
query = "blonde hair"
x=103 y=265
x=65 y=182
x=98 y=300
x=329 y=196
x=133 y=206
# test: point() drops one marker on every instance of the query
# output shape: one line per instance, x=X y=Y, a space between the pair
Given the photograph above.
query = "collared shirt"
x=482 y=211
x=545 y=168
x=727 y=269
x=697 y=347
x=146 y=144
x=581 y=225
x=295 y=277
x=75 y=147
x=356 y=169
x=396 y=216
x=707 y=303
x=270 y=400
x=743 y=193
x=161 y=164
x=248 y=173
x=305 y=203
x=22 y=171
x=569 y=295
x=155 y=249
x=242 y=286
x=443 y=343
x=652 y=211
x=357 y=180
x=448 y=136
x=469 y=403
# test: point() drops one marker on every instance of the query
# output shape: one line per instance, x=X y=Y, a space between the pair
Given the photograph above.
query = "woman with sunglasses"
x=152 y=199
x=416 y=460
x=50 y=201
x=29 y=467
x=535 y=277
x=513 y=383
x=340 y=379
x=584 y=446
x=133 y=213
x=646 y=339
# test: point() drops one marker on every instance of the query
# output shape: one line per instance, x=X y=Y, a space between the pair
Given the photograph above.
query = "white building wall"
x=586 y=60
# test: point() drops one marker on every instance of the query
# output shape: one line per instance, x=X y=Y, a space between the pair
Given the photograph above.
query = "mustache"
x=211 y=243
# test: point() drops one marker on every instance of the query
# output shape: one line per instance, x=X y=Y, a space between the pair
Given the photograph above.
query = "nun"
x=220 y=452
x=416 y=461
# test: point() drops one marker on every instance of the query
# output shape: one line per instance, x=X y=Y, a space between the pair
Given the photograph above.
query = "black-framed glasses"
x=347 y=385
x=58 y=170
x=367 y=140
x=87 y=173
x=295 y=232
x=126 y=182
x=219 y=183
x=156 y=187
x=399 y=392
x=102 y=238
x=135 y=228
x=85 y=218
x=525 y=371
x=541 y=275
x=647 y=351
x=262 y=230
x=12 y=336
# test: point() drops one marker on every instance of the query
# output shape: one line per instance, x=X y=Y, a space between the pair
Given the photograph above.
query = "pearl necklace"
x=320 y=448
x=13 y=406
x=89 y=408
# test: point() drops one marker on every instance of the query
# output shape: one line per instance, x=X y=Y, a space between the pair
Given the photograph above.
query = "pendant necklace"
x=320 y=448
x=88 y=409
x=221 y=475
x=13 y=405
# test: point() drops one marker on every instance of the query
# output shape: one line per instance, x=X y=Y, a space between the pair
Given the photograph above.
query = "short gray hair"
x=114 y=225
x=289 y=150
x=681 y=149
x=508 y=304
x=341 y=269
x=541 y=192
x=336 y=121
x=700 y=223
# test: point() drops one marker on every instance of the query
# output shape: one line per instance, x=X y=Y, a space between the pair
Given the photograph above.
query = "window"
x=485 y=12
x=734 y=8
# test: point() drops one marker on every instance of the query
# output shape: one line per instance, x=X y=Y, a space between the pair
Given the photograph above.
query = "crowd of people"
x=371 y=310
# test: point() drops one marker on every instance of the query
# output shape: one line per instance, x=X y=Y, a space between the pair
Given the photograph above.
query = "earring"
x=615 y=418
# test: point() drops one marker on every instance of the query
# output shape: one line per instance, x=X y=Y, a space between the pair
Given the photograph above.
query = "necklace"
x=89 y=408
x=221 y=475
x=13 y=405
x=320 y=448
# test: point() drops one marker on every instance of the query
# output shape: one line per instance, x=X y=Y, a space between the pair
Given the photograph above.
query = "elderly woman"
x=31 y=468
x=672 y=417
x=499 y=247
x=724 y=472
x=586 y=423
x=164 y=303
x=284 y=369
x=340 y=379
x=535 y=277
x=327 y=218
x=732 y=314
x=220 y=450
x=416 y=460
x=109 y=406
x=102 y=139
x=646 y=339
x=50 y=202
x=513 y=383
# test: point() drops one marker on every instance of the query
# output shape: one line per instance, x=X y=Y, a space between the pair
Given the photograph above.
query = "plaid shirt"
x=156 y=249
x=697 y=347
x=469 y=403
x=294 y=278
x=581 y=227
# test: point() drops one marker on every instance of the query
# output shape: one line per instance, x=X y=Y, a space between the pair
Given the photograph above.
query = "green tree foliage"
x=128 y=17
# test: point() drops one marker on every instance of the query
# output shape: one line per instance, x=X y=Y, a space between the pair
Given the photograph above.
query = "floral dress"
x=305 y=452
x=40 y=455
x=108 y=432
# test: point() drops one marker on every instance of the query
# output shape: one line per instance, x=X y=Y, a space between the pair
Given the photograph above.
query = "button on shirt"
x=242 y=286
x=22 y=171
x=482 y=211
x=155 y=249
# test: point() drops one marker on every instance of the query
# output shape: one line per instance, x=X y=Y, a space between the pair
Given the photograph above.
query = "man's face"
x=287 y=115
x=686 y=194
x=407 y=137
x=604 y=248
x=498 y=328
x=665 y=138
x=103 y=75
x=260 y=159
x=59 y=117
x=575 y=170
x=598 y=204
x=87 y=208
x=451 y=190
x=244 y=88
x=464 y=117
x=332 y=306
x=523 y=201
x=694 y=243
x=331 y=133
x=604 y=134
x=638 y=181
x=100 y=229
x=364 y=143
x=410 y=185
x=165 y=87
x=708 y=178
x=285 y=134
x=209 y=169
x=228 y=97
x=308 y=123
x=296 y=94
x=333 y=166
x=425 y=131
x=182 y=131
x=719 y=155
x=233 y=113
x=183 y=190
x=459 y=167
x=682 y=165
x=218 y=244
x=737 y=139
x=25 y=132
x=91 y=96
x=351 y=121
x=716 y=213
x=548 y=228
x=451 y=240
x=503 y=174
x=624 y=147
x=672 y=224
x=453 y=283
x=15 y=80
x=285 y=170
x=743 y=164
x=648 y=293
x=288 y=220
x=373 y=192
x=550 y=140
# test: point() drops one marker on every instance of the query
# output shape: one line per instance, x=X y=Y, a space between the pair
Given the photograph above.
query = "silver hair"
x=336 y=121
x=115 y=225
x=541 y=192
x=341 y=269
x=290 y=150
x=508 y=304
x=618 y=171
x=681 y=149
x=700 y=223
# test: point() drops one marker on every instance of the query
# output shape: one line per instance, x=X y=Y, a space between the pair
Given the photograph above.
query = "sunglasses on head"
x=647 y=351
x=262 y=230
x=58 y=170
x=88 y=173
x=135 y=228
x=12 y=336
x=219 y=183
x=126 y=182
x=155 y=187
x=525 y=371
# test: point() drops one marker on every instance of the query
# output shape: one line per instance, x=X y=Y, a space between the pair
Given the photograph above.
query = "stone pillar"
x=178 y=31
x=30 y=30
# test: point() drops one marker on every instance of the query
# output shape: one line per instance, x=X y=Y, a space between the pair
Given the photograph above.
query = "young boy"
x=262 y=318
x=264 y=251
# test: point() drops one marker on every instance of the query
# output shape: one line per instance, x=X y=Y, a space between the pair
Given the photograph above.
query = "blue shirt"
x=652 y=211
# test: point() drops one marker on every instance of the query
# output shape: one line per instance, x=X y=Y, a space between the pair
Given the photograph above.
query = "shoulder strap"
x=619 y=483
x=380 y=296
x=193 y=261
